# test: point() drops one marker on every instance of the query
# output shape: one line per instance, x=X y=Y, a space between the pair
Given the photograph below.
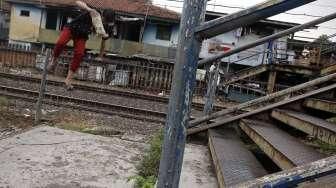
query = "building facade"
x=4 y=19
x=244 y=35
x=33 y=22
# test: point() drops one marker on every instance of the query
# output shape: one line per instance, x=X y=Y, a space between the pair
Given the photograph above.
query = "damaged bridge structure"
x=286 y=129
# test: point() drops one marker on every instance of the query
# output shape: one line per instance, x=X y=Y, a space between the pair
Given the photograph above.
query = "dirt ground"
x=61 y=154
x=12 y=121
x=18 y=116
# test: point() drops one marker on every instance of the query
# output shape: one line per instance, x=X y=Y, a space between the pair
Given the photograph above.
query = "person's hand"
x=83 y=5
x=105 y=36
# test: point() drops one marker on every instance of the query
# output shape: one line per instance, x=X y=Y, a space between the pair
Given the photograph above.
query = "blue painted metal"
x=270 y=52
x=183 y=84
x=296 y=176
x=268 y=38
x=248 y=16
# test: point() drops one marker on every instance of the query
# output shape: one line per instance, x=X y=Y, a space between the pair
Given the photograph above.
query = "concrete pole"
x=271 y=81
x=43 y=84
x=211 y=89
x=183 y=84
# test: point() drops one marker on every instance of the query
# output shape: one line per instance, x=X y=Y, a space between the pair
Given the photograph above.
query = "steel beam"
x=183 y=84
x=266 y=39
x=246 y=73
x=320 y=104
x=263 y=99
x=260 y=110
x=315 y=127
x=295 y=176
x=246 y=17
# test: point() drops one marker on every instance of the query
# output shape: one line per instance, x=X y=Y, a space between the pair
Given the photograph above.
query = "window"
x=163 y=32
x=25 y=13
x=51 y=21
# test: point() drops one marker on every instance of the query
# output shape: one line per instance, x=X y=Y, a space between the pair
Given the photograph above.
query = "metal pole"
x=181 y=95
x=268 y=38
x=42 y=90
x=211 y=89
x=246 y=17
x=272 y=96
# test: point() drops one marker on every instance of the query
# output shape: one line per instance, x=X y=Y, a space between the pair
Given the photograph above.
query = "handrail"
x=232 y=119
x=296 y=175
x=262 y=99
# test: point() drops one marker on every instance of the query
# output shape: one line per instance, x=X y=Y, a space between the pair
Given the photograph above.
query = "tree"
x=324 y=41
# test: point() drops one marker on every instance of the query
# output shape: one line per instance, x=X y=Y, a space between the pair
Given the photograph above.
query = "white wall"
x=25 y=28
x=150 y=36
x=231 y=37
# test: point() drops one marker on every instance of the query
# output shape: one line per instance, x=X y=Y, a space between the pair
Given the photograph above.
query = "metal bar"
x=42 y=90
x=246 y=73
x=268 y=38
x=183 y=85
x=266 y=108
x=262 y=99
x=245 y=17
x=293 y=177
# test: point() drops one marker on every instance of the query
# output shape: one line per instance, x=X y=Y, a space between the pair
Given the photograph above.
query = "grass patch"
x=3 y=101
x=332 y=120
x=148 y=169
x=323 y=147
x=76 y=126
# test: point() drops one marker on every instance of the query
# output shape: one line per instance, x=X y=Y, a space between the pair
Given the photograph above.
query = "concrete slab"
x=52 y=158
x=197 y=169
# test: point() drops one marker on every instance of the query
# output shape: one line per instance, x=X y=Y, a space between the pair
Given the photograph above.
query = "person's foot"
x=51 y=67
x=68 y=85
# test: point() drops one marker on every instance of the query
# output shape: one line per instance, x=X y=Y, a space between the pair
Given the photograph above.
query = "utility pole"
x=181 y=95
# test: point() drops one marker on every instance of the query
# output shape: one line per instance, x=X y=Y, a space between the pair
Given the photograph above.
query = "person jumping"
x=79 y=30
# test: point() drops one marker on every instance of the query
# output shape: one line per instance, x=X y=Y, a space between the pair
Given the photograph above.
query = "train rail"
x=104 y=90
x=83 y=104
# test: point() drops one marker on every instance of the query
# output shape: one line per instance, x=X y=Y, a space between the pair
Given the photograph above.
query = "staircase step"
x=316 y=127
x=285 y=150
x=320 y=104
x=234 y=163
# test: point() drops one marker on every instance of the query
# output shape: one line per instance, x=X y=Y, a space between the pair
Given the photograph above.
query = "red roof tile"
x=138 y=7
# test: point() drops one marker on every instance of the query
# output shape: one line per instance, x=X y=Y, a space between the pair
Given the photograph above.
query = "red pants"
x=79 y=47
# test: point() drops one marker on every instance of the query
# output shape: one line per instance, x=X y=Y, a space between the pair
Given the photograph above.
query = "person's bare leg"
x=68 y=80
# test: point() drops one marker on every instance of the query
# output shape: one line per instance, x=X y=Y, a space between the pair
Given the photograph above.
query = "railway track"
x=104 y=90
x=83 y=104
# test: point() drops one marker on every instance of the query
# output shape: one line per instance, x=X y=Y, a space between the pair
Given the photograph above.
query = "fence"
x=127 y=87
x=134 y=73
x=16 y=55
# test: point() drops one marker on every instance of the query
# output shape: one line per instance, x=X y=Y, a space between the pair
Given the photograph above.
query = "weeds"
x=323 y=146
x=79 y=127
x=148 y=168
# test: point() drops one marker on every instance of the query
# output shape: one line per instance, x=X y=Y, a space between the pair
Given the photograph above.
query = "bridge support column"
x=211 y=89
x=271 y=81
